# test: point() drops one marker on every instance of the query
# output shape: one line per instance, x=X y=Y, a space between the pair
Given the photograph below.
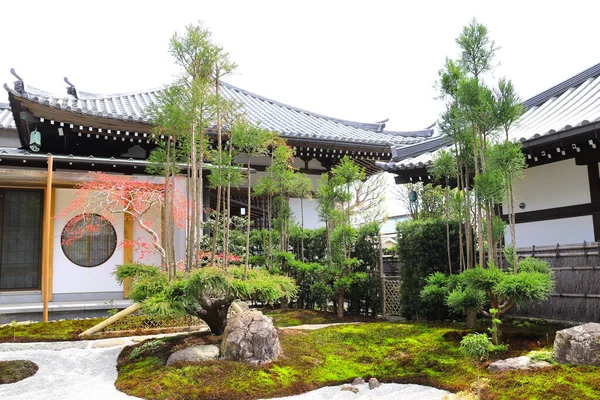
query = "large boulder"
x=195 y=354
x=518 y=363
x=250 y=337
x=578 y=345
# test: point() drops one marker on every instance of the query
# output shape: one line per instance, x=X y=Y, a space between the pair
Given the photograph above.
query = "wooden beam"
x=47 y=239
x=577 y=210
x=127 y=250
x=36 y=178
x=594 y=182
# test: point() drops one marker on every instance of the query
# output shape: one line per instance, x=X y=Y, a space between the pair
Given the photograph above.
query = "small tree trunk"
x=448 y=226
x=215 y=315
x=471 y=317
x=216 y=228
x=513 y=239
x=340 y=303
x=302 y=235
x=490 y=234
x=270 y=214
x=248 y=214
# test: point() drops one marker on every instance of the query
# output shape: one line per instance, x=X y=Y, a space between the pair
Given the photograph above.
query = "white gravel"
x=66 y=374
x=78 y=370
x=387 y=391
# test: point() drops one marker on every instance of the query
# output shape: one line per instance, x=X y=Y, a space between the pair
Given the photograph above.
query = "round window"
x=89 y=240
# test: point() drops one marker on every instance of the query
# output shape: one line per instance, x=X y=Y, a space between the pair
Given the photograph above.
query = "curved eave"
x=106 y=122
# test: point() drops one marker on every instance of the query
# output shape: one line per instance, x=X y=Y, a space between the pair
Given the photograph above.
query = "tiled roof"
x=6 y=118
x=288 y=121
x=571 y=104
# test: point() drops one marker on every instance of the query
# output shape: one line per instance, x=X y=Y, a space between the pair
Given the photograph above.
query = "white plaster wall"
x=551 y=232
x=141 y=236
x=552 y=185
x=70 y=278
x=311 y=216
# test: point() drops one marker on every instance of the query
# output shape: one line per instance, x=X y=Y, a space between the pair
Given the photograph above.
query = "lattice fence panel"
x=392 y=295
x=138 y=320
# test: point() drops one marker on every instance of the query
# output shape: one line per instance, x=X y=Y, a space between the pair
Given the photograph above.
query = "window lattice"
x=89 y=240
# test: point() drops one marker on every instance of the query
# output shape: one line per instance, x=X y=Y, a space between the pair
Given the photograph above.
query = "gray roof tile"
x=6 y=117
x=572 y=103
x=288 y=121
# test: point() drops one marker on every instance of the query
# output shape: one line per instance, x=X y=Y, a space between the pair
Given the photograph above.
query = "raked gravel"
x=387 y=391
x=87 y=370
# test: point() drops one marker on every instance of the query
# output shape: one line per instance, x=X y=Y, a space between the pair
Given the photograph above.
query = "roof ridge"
x=377 y=126
x=562 y=87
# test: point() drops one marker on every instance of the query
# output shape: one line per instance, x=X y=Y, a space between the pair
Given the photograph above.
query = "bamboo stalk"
x=123 y=313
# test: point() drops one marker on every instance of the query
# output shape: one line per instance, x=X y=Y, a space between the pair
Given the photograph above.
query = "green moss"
x=392 y=352
x=16 y=370
x=295 y=317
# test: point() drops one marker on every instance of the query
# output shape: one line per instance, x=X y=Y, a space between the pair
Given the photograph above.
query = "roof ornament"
x=19 y=83
x=71 y=89
x=382 y=124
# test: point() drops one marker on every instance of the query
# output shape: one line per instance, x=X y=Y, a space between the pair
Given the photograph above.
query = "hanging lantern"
x=412 y=197
x=35 y=140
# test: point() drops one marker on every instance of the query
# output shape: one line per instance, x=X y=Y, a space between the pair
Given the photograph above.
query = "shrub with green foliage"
x=422 y=251
x=204 y=292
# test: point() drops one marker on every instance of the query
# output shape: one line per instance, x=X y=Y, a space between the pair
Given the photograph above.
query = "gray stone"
x=195 y=354
x=108 y=343
x=518 y=363
x=374 y=383
x=578 y=345
x=347 y=388
x=358 y=381
x=250 y=337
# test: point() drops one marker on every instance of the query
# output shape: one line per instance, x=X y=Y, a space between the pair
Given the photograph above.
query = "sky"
x=358 y=60
x=362 y=61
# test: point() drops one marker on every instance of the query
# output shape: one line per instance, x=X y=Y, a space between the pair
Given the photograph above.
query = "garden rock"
x=374 y=383
x=518 y=363
x=242 y=304
x=578 y=345
x=352 y=389
x=195 y=354
x=358 y=381
x=250 y=337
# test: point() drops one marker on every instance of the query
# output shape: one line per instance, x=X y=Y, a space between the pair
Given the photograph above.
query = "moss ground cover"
x=393 y=352
x=16 y=370
x=70 y=329
x=48 y=331
x=295 y=317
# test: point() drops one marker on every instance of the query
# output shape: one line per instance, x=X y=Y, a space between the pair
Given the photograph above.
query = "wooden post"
x=382 y=277
x=47 y=239
x=127 y=251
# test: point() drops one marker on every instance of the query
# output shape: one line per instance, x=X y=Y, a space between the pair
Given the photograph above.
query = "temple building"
x=558 y=198
x=113 y=133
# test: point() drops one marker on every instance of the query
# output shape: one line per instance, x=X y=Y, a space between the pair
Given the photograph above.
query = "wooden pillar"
x=594 y=182
x=127 y=250
x=47 y=242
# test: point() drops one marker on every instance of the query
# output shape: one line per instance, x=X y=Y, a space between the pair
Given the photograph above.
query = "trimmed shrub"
x=422 y=251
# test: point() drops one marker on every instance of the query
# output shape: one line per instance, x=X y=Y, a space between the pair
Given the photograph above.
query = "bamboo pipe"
x=123 y=313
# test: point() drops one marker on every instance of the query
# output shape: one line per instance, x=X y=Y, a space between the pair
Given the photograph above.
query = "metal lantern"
x=35 y=140
x=412 y=197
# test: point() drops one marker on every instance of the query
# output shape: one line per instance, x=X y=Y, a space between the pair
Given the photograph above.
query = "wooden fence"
x=576 y=296
x=576 y=270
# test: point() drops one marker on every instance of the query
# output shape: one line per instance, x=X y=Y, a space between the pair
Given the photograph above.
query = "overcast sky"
x=363 y=61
